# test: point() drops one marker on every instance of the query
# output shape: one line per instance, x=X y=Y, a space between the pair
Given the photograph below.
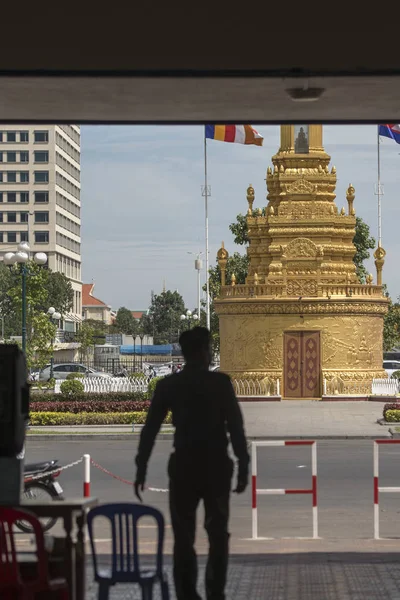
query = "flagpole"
x=205 y=193
x=379 y=192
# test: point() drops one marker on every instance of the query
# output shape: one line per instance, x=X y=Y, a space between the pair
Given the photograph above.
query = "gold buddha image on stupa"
x=303 y=316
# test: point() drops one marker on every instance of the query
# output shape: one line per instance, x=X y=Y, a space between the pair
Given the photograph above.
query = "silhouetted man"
x=204 y=408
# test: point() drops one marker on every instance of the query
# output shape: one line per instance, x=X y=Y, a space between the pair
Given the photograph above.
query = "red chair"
x=12 y=584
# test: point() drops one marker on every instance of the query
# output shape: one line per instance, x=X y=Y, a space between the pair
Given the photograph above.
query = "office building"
x=40 y=199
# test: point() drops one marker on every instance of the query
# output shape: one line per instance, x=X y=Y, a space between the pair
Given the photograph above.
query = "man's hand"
x=242 y=482
x=138 y=487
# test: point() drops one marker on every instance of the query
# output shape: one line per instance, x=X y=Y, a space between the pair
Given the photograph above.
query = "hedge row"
x=392 y=416
x=91 y=397
x=55 y=418
x=112 y=406
x=390 y=407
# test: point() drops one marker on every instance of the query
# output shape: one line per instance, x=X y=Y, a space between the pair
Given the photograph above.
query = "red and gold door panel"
x=302 y=366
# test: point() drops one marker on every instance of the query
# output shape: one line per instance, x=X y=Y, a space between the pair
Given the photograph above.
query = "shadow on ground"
x=293 y=576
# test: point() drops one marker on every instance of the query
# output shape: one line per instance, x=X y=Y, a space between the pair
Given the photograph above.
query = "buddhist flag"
x=390 y=131
x=236 y=134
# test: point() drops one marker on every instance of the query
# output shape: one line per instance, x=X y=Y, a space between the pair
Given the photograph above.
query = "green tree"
x=363 y=242
x=41 y=342
x=85 y=337
x=163 y=318
x=124 y=321
x=59 y=291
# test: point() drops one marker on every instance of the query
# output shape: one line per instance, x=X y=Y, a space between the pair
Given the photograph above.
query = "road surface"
x=345 y=492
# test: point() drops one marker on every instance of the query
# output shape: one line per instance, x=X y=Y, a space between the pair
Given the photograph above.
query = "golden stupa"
x=302 y=316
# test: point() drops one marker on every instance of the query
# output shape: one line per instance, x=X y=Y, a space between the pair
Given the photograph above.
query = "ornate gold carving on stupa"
x=222 y=257
x=379 y=256
x=302 y=276
x=250 y=199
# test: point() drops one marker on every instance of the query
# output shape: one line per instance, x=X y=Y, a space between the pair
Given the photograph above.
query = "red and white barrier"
x=278 y=491
x=86 y=476
x=377 y=487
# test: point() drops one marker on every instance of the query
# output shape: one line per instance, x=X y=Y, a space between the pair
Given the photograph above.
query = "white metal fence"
x=104 y=385
x=385 y=387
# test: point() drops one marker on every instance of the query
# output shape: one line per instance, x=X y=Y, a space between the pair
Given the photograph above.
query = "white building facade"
x=40 y=198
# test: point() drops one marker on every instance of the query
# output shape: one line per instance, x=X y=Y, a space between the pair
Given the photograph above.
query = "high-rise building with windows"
x=40 y=198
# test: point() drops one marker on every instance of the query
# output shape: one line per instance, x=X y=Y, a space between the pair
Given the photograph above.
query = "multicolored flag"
x=390 y=131
x=236 y=134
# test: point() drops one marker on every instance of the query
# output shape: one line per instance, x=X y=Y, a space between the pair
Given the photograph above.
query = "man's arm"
x=236 y=429
x=157 y=412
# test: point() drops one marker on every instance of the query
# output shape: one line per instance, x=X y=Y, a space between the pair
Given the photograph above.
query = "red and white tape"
x=282 y=491
x=117 y=477
x=377 y=487
x=45 y=474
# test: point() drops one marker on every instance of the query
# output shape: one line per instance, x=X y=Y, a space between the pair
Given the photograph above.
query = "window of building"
x=11 y=136
x=1 y=196
x=24 y=237
x=11 y=217
x=1 y=136
x=41 y=237
x=11 y=237
x=24 y=176
x=41 y=217
x=1 y=176
x=24 y=136
x=11 y=157
x=11 y=176
x=41 y=137
x=1 y=157
x=41 y=197
x=24 y=197
x=1 y=217
x=24 y=156
x=24 y=217
x=41 y=156
x=41 y=176
x=11 y=197
x=1 y=237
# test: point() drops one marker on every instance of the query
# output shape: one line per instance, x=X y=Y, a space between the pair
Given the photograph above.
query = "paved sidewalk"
x=296 y=575
x=268 y=420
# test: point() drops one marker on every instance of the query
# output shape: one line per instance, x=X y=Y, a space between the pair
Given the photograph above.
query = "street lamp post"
x=22 y=257
x=198 y=265
x=56 y=316
x=189 y=317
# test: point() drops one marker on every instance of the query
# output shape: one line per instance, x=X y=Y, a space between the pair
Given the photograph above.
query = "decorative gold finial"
x=222 y=253
x=350 y=195
x=222 y=257
x=250 y=199
x=342 y=212
x=255 y=279
x=271 y=210
x=259 y=212
x=379 y=256
x=269 y=171
x=332 y=210
x=275 y=168
x=333 y=170
x=281 y=169
x=369 y=279
x=233 y=279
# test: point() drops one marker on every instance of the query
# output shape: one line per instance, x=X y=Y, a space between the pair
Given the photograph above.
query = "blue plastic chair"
x=125 y=564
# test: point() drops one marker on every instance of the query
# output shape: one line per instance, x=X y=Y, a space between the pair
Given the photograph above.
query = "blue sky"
x=142 y=208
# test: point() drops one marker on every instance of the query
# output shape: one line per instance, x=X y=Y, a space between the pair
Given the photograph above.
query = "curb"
x=170 y=436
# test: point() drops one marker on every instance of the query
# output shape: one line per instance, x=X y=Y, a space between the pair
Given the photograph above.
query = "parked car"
x=391 y=366
x=63 y=370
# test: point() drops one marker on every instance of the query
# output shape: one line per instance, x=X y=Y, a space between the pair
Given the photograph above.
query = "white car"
x=391 y=366
x=62 y=371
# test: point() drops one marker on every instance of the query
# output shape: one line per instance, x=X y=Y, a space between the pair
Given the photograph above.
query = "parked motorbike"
x=43 y=489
